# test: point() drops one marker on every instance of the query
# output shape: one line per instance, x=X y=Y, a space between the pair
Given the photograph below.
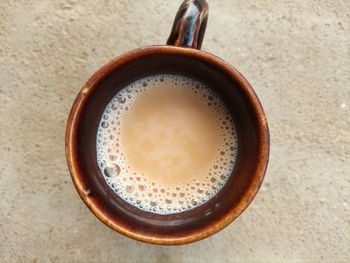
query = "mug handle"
x=189 y=24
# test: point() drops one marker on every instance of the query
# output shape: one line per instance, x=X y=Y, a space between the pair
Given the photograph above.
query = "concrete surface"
x=296 y=54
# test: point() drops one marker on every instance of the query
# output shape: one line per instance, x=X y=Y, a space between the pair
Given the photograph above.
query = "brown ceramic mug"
x=180 y=56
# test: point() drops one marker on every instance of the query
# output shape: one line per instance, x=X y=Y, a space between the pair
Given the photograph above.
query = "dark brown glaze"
x=195 y=224
x=227 y=82
x=189 y=24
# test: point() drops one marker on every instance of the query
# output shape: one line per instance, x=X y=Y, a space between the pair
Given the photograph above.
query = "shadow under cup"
x=205 y=219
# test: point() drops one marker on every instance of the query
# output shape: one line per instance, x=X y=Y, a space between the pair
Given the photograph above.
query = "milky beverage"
x=166 y=144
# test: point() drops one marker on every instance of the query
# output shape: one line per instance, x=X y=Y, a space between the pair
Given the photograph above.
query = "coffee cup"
x=181 y=56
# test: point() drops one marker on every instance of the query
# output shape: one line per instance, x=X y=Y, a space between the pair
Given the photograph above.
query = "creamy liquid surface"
x=166 y=144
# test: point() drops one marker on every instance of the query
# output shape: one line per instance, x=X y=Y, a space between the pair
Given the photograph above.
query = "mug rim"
x=93 y=83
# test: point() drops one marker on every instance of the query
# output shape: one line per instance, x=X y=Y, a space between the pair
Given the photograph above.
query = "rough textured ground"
x=296 y=54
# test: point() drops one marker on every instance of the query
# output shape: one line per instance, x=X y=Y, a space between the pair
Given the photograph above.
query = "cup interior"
x=193 y=224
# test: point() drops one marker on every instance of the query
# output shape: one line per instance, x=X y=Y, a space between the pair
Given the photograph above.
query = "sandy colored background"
x=296 y=54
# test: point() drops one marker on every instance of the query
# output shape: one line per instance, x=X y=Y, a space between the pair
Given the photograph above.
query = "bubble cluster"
x=139 y=190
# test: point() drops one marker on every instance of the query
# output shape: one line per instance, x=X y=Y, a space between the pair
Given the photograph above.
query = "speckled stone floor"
x=296 y=54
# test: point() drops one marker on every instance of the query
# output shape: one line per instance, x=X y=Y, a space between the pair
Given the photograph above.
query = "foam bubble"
x=141 y=191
